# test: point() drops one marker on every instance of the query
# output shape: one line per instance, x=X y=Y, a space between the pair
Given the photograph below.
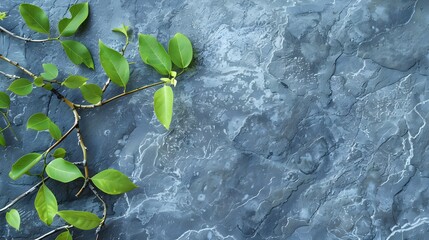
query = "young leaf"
x=46 y=205
x=63 y=171
x=55 y=131
x=74 y=81
x=115 y=65
x=91 y=93
x=78 y=53
x=2 y=140
x=38 y=122
x=13 y=218
x=112 y=182
x=123 y=29
x=80 y=219
x=35 y=18
x=51 y=71
x=21 y=87
x=38 y=81
x=4 y=100
x=163 y=105
x=68 y=26
x=3 y=15
x=59 y=153
x=64 y=236
x=180 y=50
x=154 y=54
x=24 y=164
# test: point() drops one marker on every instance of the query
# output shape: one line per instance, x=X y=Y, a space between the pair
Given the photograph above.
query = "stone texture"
x=298 y=120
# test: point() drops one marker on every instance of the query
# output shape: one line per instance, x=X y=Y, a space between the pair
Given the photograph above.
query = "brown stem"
x=103 y=219
x=26 y=71
x=84 y=161
x=54 y=231
x=61 y=139
x=2 y=29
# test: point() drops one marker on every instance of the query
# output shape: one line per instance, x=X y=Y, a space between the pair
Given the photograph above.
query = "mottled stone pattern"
x=300 y=119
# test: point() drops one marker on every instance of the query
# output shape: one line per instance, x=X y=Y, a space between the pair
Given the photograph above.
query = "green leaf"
x=112 y=182
x=154 y=54
x=24 y=164
x=46 y=204
x=13 y=218
x=38 y=81
x=2 y=140
x=35 y=18
x=115 y=65
x=180 y=50
x=55 y=131
x=59 y=153
x=21 y=87
x=78 y=53
x=163 y=105
x=91 y=93
x=3 y=15
x=51 y=71
x=80 y=219
x=74 y=81
x=63 y=171
x=79 y=13
x=64 y=236
x=38 y=122
x=4 y=100
x=123 y=29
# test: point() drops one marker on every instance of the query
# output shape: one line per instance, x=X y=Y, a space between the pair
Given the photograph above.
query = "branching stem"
x=2 y=29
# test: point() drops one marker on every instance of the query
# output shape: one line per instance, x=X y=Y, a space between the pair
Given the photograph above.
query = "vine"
x=117 y=68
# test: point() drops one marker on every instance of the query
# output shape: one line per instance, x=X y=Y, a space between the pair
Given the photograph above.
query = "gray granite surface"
x=298 y=120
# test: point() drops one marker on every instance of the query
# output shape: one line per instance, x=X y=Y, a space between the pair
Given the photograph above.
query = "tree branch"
x=54 y=231
x=10 y=76
x=103 y=219
x=2 y=29
x=26 y=71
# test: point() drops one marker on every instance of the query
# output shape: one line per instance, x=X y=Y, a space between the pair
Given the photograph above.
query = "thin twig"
x=2 y=29
x=26 y=71
x=61 y=139
x=103 y=219
x=84 y=161
x=65 y=227
x=10 y=76
x=26 y=193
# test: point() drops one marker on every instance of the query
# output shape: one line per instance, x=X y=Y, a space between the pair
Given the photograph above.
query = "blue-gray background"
x=299 y=120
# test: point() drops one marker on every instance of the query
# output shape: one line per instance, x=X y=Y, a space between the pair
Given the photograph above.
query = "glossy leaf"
x=154 y=54
x=2 y=140
x=115 y=65
x=112 y=182
x=38 y=122
x=69 y=26
x=55 y=131
x=123 y=29
x=46 y=204
x=80 y=219
x=4 y=100
x=180 y=50
x=13 y=219
x=78 y=53
x=64 y=236
x=163 y=105
x=63 y=171
x=21 y=87
x=59 y=153
x=35 y=18
x=51 y=71
x=74 y=81
x=91 y=93
x=38 y=81
x=48 y=86
x=24 y=164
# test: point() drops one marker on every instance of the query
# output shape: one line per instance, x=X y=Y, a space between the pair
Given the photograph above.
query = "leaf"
x=69 y=26
x=59 y=153
x=63 y=171
x=123 y=29
x=22 y=165
x=64 y=236
x=154 y=54
x=112 y=182
x=38 y=82
x=46 y=205
x=21 y=87
x=91 y=93
x=38 y=122
x=78 y=53
x=35 y=18
x=55 y=131
x=2 y=140
x=13 y=219
x=74 y=81
x=51 y=71
x=4 y=100
x=163 y=105
x=180 y=50
x=115 y=65
x=80 y=219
